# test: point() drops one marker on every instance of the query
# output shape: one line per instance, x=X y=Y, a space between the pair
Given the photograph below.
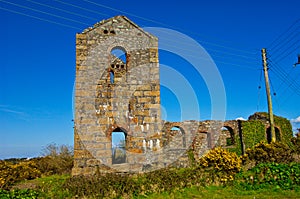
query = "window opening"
x=112 y=77
x=118 y=139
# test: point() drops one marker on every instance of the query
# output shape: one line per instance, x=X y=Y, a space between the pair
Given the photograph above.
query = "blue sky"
x=38 y=60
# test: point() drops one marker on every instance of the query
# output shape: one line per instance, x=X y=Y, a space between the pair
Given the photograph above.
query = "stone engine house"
x=117 y=124
x=117 y=90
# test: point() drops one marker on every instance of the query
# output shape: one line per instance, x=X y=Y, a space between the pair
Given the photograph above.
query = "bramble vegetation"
x=12 y=173
x=296 y=143
x=57 y=160
x=274 y=152
x=270 y=175
x=274 y=168
x=24 y=194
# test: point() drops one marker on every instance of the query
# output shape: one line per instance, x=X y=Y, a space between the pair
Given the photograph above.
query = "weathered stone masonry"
x=121 y=93
x=114 y=94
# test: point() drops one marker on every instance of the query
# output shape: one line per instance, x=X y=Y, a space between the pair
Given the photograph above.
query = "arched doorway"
x=208 y=139
x=178 y=135
x=118 y=143
x=204 y=139
x=227 y=136
x=277 y=134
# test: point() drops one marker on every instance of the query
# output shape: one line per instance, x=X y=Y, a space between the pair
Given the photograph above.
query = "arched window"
x=118 y=67
x=176 y=129
x=120 y=53
x=112 y=77
x=118 y=142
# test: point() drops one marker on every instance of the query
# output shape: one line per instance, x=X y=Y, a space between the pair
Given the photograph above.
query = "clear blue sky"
x=38 y=60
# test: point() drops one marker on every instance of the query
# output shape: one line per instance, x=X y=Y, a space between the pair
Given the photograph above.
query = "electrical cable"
x=156 y=22
x=288 y=29
x=179 y=42
x=197 y=57
x=287 y=40
x=81 y=8
x=62 y=10
x=283 y=56
x=292 y=84
x=259 y=89
x=289 y=83
x=233 y=54
x=45 y=5
x=284 y=78
x=286 y=75
x=41 y=19
x=46 y=13
x=218 y=51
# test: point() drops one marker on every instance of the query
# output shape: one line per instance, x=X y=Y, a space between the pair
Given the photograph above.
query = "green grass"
x=216 y=192
x=52 y=187
x=47 y=187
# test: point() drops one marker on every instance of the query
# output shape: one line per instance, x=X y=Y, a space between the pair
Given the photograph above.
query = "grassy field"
x=52 y=187
x=225 y=192
x=218 y=174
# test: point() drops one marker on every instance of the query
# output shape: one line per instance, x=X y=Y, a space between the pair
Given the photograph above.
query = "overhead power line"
x=81 y=8
x=282 y=34
x=39 y=18
x=251 y=60
x=46 y=13
x=286 y=41
x=162 y=24
x=62 y=10
x=241 y=53
x=180 y=42
x=259 y=89
x=293 y=47
x=284 y=77
x=123 y=12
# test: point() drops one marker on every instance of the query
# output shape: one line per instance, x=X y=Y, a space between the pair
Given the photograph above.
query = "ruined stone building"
x=117 y=124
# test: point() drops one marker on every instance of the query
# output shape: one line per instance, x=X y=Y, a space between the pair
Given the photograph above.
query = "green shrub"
x=56 y=160
x=296 y=143
x=273 y=152
x=112 y=185
x=24 y=194
x=217 y=166
x=270 y=175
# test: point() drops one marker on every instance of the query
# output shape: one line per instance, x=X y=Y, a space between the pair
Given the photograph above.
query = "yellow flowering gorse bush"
x=11 y=173
x=221 y=161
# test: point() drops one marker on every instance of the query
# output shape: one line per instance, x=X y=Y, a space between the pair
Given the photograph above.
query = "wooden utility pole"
x=270 y=109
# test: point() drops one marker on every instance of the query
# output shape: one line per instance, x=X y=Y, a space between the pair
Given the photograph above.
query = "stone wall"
x=120 y=94
x=114 y=94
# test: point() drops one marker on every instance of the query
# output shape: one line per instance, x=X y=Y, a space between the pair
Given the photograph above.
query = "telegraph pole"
x=270 y=109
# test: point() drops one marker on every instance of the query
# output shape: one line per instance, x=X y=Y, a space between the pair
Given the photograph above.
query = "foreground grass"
x=216 y=192
x=52 y=187
x=45 y=187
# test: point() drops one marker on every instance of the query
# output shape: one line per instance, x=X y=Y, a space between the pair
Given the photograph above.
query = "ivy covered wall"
x=254 y=130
